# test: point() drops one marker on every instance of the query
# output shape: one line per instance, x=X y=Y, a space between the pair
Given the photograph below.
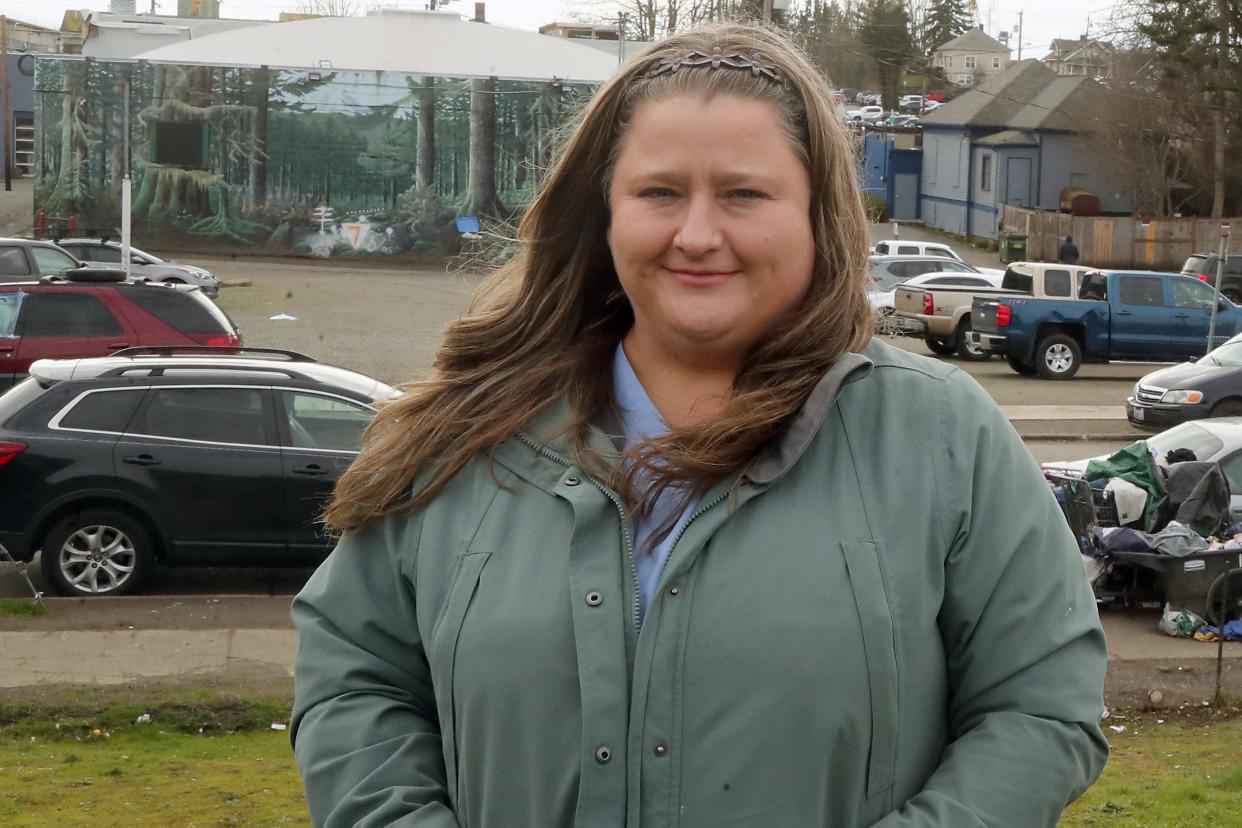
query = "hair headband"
x=755 y=64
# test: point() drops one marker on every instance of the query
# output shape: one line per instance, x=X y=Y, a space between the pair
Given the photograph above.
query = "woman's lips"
x=700 y=278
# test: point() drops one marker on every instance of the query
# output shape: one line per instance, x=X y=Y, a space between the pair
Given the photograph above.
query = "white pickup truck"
x=944 y=311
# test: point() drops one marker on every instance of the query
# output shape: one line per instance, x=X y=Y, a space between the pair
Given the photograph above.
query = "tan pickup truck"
x=943 y=312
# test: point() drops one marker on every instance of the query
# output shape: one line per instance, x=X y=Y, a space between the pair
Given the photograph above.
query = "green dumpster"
x=1013 y=247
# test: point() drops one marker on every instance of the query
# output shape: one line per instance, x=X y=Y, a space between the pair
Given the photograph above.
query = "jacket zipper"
x=625 y=526
x=702 y=509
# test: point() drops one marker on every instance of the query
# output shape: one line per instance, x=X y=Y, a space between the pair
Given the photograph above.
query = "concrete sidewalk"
x=60 y=654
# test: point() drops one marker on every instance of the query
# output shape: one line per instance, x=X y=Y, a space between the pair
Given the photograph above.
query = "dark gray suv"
x=1203 y=267
x=186 y=455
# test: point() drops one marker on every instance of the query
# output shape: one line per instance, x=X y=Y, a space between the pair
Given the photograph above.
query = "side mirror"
x=1193 y=359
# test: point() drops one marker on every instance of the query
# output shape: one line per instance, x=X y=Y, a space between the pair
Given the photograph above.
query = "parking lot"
x=386 y=322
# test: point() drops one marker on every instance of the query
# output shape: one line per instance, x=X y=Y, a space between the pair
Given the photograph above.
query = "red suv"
x=57 y=319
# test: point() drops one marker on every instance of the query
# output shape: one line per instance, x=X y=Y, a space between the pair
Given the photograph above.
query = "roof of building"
x=1009 y=138
x=975 y=39
x=1026 y=96
x=418 y=42
x=110 y=35
x=1063 y=46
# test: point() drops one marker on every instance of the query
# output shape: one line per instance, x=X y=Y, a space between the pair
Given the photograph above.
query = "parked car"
x=1207 y=387
x=1202 y=266
x=1135 y=316
x=937 y=97
x=1217 y=440
x=175 y=456
x=58 y=319
x=911 y=103
x=900 y=121
x=870 y=114
x=889 y=274
x=944 y=312
x=144 y=265
x=932 y=106
x=900 y=247
x=24 y=259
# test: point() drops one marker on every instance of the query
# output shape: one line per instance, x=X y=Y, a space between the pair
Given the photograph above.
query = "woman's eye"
x=745 y=193
x=657 y=192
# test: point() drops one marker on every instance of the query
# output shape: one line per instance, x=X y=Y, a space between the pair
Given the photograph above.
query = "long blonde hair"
x=547 y=323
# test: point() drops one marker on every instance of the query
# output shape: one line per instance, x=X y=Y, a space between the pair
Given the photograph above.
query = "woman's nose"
x=699 y=231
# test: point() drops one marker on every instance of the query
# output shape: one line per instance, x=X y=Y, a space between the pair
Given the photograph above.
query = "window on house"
x=985 y=174
x=948 y=61
x=996 y=63
x=964 y=80
x=970 y=61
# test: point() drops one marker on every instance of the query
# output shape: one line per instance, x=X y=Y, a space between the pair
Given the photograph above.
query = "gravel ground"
x=381 y=321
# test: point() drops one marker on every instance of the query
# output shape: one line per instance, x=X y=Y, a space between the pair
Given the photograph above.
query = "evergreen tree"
x=828 y=32
x=946 y=19
x=884 y=30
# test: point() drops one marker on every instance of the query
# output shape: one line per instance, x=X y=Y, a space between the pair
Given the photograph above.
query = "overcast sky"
x=1042 y=21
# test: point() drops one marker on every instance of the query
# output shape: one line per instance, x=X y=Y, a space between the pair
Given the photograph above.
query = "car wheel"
x=966 y=351
x=1227 y=408
x=1023 y=368
x=939 y=345
x=1233 y=295
x=97 y=552
x=1058 y=357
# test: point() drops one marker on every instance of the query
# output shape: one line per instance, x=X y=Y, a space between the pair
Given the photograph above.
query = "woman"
x=665 y=540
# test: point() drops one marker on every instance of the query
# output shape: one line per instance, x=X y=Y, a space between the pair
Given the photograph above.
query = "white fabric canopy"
x=418 y=42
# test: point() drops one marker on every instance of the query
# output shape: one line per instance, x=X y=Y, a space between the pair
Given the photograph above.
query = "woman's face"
x=710 y=225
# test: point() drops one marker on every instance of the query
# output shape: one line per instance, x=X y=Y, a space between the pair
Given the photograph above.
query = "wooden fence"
x=1115 y=241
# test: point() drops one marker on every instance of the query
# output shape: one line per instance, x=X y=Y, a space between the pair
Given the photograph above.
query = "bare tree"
x=329 y=8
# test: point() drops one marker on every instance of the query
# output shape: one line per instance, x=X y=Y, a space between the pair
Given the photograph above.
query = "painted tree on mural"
x=184 y=95
x=260 y=148
x=67 y=159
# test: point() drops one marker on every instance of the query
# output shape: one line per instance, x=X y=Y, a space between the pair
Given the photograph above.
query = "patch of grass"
x=150 y=778
x=1170 y=775
x=22 y=608
x=1182 y=773
x=195 y=712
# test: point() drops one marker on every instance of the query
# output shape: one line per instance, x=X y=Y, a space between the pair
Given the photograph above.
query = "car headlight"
x=1182 y=397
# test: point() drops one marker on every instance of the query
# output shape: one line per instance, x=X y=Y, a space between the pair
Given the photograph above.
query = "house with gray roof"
x=971 y=58
x=1020 y=138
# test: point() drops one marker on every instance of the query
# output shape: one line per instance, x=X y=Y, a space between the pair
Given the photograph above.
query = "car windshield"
x=1016 y=280
x=885 y=281
x=1194 y=263
x=1186 y=436
x=1229 y=354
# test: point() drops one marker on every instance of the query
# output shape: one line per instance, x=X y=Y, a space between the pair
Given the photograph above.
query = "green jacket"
x=886 y=624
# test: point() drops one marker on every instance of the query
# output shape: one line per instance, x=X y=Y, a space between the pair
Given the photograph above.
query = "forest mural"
x=305 y=162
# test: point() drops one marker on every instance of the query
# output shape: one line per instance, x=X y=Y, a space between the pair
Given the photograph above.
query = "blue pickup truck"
x=1119 y=315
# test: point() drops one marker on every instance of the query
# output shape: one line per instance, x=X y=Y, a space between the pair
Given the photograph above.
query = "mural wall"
x=322 y=163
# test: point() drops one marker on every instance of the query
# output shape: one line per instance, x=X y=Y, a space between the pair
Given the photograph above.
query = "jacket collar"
x=767 y=467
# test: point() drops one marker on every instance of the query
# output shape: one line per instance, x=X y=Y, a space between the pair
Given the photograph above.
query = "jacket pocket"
x=862 y=560
x=444 y=649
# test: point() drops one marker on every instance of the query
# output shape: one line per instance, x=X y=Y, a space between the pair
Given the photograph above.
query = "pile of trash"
x=1157 y=529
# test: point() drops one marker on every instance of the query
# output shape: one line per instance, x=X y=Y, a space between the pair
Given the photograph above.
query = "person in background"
x=1068 y=254
x=666 y=539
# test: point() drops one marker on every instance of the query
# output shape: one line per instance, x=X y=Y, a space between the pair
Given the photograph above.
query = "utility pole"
x=1019 y=35
x=767 y=9
x=1222 y=100
x=126 y=183
x=621 y=39
x=1222 y=256
x=4 y=83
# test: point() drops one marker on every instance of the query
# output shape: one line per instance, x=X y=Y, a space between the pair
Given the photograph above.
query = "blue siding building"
x=892 y=168
x=1016 y=139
